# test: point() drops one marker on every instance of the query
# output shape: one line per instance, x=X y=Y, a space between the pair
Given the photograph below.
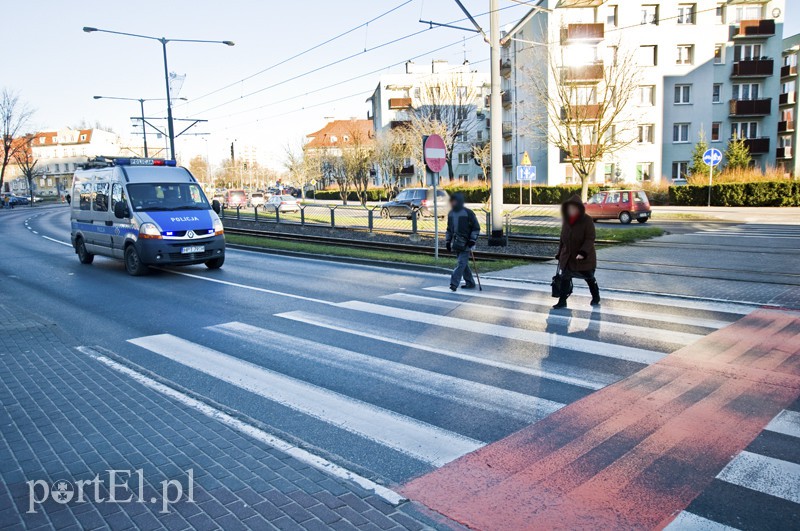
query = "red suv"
x=624 y=205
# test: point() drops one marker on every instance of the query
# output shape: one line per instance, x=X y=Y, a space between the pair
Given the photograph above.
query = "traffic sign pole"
x=712 y=157
x=434 y=153
x=436 y=216
x=710 y=180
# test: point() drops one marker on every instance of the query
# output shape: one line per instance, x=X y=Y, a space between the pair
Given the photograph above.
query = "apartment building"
x=707 y=67
x=440 y=84
x=789 y=108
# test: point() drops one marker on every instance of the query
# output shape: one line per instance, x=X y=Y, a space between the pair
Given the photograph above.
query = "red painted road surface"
x=635 y=454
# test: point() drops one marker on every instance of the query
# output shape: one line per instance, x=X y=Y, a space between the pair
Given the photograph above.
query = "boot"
x=561 y=304
x=594 y=289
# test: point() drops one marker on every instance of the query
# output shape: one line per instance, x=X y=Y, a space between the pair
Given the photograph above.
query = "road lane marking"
x=468 y=393
x=687 y=521
x=604 y=310
x=57 y=241
x=574 y=324
x=585 y=378
x=540 y=338
x=251 y=431
x=764 y=474
x=411 y=437
x=786 y=422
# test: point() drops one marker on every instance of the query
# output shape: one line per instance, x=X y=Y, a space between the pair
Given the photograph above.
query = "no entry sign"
x=434 y=153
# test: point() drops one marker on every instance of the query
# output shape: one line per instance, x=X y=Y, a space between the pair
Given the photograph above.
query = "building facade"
x=707 y=68
x=398 y=98
x=789 y=106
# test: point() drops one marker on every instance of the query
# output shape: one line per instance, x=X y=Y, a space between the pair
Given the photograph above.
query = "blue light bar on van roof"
x=131 y=161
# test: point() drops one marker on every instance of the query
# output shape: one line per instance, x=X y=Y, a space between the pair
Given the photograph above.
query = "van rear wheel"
x=215 y=263
x=83 y=255
x=133 y=264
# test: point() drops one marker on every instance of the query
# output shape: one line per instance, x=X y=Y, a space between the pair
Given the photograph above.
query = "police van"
x=146 y=212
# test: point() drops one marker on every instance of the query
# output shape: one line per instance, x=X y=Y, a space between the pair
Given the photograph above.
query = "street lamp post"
x=163 y=41
x=141 y=106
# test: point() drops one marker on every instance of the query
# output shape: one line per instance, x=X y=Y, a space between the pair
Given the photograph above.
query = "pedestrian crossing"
x=754 y=231
x=405 y=383
x=758 y=489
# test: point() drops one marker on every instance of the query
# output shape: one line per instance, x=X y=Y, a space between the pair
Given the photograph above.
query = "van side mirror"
x=121 y=210
x=216 y=207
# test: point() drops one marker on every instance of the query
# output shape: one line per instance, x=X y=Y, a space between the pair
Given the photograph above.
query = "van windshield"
x=152 y=197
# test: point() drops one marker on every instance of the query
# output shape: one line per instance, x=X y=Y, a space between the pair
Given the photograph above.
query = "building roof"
x=340 y=133
x=64 y=137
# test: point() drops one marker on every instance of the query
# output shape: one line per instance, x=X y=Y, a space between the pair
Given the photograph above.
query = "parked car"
x=257 y=199
x=419 y=200
x=15 y=200
x=284 y=203
x=624 y=205
x=235 y=198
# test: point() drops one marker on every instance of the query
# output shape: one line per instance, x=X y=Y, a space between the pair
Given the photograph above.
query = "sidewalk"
x=68 y=418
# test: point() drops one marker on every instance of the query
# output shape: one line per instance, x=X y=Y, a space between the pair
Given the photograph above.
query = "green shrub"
x=765 y=193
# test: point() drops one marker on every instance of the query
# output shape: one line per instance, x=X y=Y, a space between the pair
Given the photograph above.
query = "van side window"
x=100 y=197
x=85 y=191
x=117 y=195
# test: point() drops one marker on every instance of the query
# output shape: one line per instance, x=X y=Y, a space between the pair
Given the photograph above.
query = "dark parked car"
x=419 y=200
x=624 y=205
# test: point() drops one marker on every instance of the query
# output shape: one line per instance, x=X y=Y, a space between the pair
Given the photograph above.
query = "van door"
x=101 y=217
x=120 y=227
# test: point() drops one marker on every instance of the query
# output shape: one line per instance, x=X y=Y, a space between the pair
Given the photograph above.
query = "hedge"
x=765 y=193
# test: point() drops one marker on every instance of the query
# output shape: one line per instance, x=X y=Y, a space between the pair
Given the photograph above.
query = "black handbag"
x=459 y=243
x=557 y=285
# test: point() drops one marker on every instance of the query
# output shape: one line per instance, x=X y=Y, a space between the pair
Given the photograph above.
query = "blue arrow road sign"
x=526 y=173
x=712 y=157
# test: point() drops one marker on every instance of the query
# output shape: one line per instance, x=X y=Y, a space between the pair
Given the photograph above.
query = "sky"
x=254 y=93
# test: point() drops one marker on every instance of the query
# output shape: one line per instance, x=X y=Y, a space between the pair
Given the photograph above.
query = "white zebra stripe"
x=764 y=474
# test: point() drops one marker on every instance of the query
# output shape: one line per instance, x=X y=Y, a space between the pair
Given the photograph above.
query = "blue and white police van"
x=146 y=212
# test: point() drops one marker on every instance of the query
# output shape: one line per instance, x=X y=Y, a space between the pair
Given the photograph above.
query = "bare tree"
x=14 y=118
x=27 y=164
x=297 y=166
x=585 y=108
x=333 y=170
x=358 y=157
x=198 y=165
x=446 y=109
x=391 y=154
x=482 y=153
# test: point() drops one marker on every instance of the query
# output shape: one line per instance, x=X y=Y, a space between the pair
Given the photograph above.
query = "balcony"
x=508 y=160
x=508 y=130
x=786 y=126
x=757 y=146
x=507 y=98
x=784 y=152
x=395 y=124
x=592 y=73
x=753 y=68
x=751 y=107
x=505 y=67
x=755 y=29
x=408 y=170
x=788 y=71
x=789 y=98
x=582 y=33
x=585 y=152
x=581 y=113
x=399 y=103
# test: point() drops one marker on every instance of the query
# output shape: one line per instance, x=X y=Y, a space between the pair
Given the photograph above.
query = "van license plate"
x=193 y=249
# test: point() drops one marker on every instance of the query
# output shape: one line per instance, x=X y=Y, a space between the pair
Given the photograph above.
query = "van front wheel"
x=83 y=255
x=215 y=263
x=133 y=264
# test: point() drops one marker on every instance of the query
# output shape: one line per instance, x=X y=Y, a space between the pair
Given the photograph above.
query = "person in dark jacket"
x=462 y=235
x=576 y=255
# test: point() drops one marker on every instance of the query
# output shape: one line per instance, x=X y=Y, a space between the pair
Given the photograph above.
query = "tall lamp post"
x=141 y=105
x=163 y=41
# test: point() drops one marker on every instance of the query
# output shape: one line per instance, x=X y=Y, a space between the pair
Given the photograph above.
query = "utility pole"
x=144 y=130
x=170 y=125
x=496 y=130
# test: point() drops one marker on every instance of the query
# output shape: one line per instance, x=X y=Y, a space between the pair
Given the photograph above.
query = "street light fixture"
x=163 y=41
x=141 y=104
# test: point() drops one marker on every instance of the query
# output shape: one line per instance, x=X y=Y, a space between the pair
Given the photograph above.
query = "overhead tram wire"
x=304 y=52
x=338 y=61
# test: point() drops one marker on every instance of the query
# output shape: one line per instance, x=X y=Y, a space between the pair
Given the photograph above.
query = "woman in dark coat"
x=576 y=255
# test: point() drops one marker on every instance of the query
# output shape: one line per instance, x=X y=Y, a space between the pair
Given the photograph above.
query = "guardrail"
x=519 y=221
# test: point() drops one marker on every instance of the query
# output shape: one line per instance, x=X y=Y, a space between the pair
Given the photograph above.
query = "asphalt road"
x=381 y=371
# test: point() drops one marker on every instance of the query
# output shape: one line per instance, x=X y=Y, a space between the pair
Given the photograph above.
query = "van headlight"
x=149 y=231
x=218 y=228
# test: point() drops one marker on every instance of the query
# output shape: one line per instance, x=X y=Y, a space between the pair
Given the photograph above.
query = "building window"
x=680 y=169
x=683 y=94
x=646 y=133
x=719 y=13
x=680 y=133
x=646 y=95
x=608 y=173
x=58 y=168
x=650 y=14
x=744 y=130
x=611 y=16
x=461 y=136
x=648 y=55
x=716 y=131
x=644 y=171
x=479 y=136
x=464 y=157
x=685 y=54
x=719 y=54
x=746 y=52
x=463 y=177
x=716 y=93
x=686 y=13
x=83 y=138
x=746 y=91
x=750 y=12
